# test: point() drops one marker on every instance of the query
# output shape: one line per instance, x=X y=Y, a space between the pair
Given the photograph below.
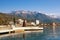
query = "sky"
x=51 y=7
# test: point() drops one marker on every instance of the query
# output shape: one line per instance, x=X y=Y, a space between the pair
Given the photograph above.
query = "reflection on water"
x=49 y=33
x=54 y=31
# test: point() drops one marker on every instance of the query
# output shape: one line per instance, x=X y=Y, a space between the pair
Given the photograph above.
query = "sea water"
x=48 y=33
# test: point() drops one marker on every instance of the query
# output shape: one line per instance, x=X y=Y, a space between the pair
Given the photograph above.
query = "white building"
x=11 y=22
x=20 y=21
x=37 y=22
x=33 y=23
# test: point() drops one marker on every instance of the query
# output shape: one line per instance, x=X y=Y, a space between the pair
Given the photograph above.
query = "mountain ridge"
x=5 y=18
x=29 y=15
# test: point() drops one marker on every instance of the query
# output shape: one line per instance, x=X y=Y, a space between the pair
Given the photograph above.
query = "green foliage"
x=5 y=18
